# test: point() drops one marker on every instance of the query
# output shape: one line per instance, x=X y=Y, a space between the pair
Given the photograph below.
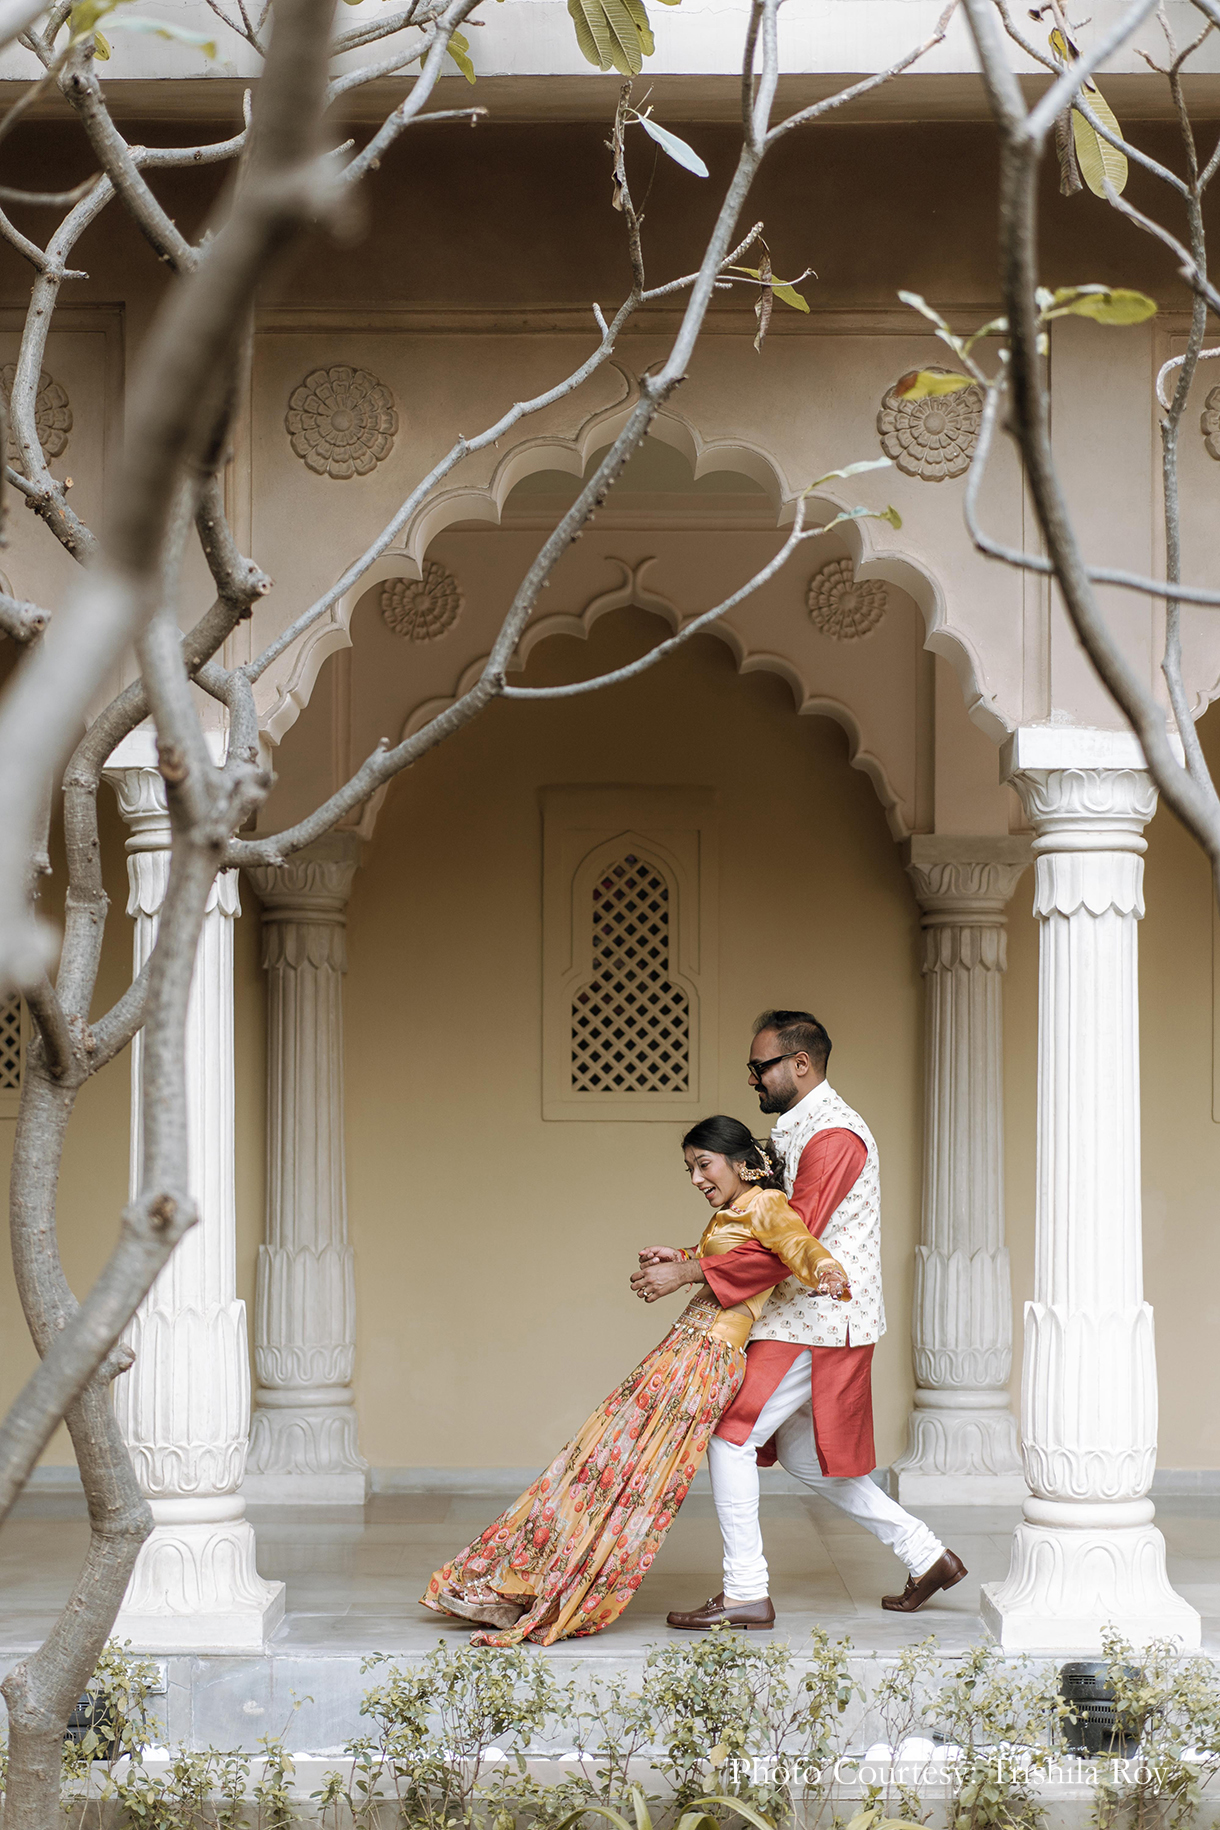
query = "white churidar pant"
x=734 y=1470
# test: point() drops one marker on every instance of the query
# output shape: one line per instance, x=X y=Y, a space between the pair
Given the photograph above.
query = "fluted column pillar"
x=185 y=1405
x=962 y=1444
x=303 y=1439
x=1087 y=1554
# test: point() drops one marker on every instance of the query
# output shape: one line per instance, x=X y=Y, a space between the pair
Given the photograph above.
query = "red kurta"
x=841 y=1383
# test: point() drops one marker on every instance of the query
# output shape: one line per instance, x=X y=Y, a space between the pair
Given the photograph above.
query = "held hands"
x=662 y=1271
x=832 y=1281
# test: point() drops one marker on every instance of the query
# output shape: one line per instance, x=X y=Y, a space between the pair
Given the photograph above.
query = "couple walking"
x=790 y=1263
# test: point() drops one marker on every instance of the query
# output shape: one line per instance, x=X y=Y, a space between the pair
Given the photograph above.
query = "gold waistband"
x=735 y=1329
x=703 y=1315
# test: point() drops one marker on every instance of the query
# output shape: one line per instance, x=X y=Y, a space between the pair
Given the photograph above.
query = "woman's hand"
x=659 y=1254
x=832 y=1281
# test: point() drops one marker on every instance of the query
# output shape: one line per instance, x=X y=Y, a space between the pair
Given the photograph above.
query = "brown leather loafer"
x=754 y=1616
x=943 y=1574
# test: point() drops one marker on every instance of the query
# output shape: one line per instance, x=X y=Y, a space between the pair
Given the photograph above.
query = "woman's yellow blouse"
x=764 y=1214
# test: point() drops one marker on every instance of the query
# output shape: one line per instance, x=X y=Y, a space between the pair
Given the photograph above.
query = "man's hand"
x=832 y=1281
x=654 y=1280
x=660 y=1254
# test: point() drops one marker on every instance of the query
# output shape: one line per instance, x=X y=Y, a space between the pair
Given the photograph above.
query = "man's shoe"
x=946 y=1570
x=754 y=1616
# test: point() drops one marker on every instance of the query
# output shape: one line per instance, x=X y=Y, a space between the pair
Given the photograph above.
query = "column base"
x=195 y=1588
x=1065 y=1587
x=919 y=1487
x=304 y=1454
x=350 y=1488
x=960 y=1452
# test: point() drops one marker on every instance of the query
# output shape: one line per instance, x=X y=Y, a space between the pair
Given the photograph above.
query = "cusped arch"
x=873 y=548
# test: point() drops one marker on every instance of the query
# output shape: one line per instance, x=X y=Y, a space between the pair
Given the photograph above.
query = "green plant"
x=997 y=1719
x=900 y=1702
x=718 y=1703
x=1171 y=1706
x=436 y=1724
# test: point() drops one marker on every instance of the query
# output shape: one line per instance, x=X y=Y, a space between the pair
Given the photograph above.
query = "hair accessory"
x=756 y=1175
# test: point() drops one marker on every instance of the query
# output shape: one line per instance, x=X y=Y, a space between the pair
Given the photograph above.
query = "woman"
x=566 y=1558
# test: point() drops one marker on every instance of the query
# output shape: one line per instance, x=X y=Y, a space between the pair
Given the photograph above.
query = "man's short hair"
x=797 y=1030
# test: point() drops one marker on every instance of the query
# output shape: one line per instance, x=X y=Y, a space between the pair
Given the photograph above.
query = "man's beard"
x=778 y=1100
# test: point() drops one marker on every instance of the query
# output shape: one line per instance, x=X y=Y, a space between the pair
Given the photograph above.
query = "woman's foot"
x=499 y=1614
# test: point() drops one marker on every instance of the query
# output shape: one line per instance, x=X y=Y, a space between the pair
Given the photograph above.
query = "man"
x=807 y=1394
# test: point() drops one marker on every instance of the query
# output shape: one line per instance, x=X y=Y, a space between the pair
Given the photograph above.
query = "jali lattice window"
x=10 y=1054
x=631 y=1023
x=629 y=967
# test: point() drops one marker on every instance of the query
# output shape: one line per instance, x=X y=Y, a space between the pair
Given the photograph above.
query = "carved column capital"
x=313 y=884
x=963 y=879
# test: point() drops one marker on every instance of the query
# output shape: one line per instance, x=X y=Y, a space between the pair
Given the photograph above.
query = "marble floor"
x=353 y=1581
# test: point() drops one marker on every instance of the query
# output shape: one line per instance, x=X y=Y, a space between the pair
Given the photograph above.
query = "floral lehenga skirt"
x=577 y=1544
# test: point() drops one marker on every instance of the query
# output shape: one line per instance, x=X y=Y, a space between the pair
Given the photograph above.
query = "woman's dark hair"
x=728 y=1137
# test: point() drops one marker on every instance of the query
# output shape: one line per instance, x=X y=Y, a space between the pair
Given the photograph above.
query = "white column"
x=962 y=1444
x=303 y=1438
x=1087 y=1554
x=185 y=1405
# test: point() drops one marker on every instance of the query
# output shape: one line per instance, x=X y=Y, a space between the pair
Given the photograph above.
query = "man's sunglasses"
x=756 y=1069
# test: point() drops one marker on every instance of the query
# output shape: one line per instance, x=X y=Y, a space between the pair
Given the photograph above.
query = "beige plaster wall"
x=493 y=1250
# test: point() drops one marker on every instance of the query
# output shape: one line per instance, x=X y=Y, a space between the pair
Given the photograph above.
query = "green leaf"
x=162 y=28
x=891 y=515
x=922 y=384
x=789 y=295
x=626 y=46
x=867 y=1820
x=85 y=15
x=917 y=303
x=586 y=42
x=639 y=14
x=1098 y=160
x=678 y=150
x=1105 y=304
x=101 y=49
x=742 y=1809
x=459 y=50
x=853 y=470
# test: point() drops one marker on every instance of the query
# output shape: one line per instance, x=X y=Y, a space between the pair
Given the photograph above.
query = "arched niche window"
x=629 y=948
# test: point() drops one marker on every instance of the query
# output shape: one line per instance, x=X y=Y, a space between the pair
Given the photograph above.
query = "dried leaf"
x=921 y=384
x=678 y=150
x=1070 y=180
x=762 y=310
x=1098 y=160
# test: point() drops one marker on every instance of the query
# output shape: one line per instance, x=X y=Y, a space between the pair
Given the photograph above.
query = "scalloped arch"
x=873 y=555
